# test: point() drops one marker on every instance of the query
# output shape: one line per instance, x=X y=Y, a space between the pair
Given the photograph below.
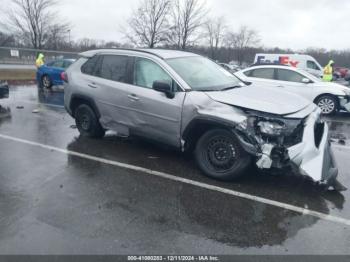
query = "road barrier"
x=27 y=56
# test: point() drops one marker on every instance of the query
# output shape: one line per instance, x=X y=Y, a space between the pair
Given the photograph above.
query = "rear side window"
x=312 y=65
x=114 y=67
x=90 y=66
x=290 y=76
x=266 y=73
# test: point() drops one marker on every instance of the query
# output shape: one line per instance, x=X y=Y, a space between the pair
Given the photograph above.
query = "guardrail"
x=27 y=56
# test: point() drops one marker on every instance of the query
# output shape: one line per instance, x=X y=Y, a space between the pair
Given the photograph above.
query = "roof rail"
x=129 y=49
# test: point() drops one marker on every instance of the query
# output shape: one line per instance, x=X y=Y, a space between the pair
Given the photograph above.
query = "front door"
x=152 y=113
x=292 y=81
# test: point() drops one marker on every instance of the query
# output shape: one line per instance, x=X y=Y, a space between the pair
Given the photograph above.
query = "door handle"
x=133 y=97
x=92 y=85
x=280 y=86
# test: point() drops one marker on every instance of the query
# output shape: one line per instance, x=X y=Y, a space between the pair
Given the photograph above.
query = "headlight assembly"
x=271 y=128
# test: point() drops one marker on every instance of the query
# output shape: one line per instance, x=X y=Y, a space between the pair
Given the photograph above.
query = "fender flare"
x=83 y=98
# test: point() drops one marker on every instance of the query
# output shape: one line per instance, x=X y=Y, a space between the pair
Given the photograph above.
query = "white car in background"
x=330 y=97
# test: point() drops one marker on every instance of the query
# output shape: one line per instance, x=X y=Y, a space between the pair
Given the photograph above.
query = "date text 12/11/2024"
x=173 y=258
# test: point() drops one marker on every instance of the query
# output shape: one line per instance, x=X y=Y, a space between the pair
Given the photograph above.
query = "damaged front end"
x=282 y=141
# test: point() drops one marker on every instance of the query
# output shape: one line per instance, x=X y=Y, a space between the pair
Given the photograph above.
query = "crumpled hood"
x=262 y=99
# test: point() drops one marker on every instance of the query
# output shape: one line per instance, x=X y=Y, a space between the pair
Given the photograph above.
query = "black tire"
x=87 y=122
x=219 y=155
x=328 y=104
x=46 y=82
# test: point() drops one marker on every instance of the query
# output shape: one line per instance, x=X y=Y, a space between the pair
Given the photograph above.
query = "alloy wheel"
x=327 y=105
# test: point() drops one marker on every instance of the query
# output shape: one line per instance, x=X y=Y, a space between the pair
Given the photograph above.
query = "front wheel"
x=219 y=155
x=87 y=122
x=327 y=104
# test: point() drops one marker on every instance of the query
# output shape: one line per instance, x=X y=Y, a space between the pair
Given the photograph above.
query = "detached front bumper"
x=314 y=155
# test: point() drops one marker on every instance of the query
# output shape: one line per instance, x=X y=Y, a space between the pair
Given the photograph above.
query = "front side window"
x=289 y=76
x=201 y=74
x=266 y=73
x=114 y=67
x=147 y=71
x=312 y=65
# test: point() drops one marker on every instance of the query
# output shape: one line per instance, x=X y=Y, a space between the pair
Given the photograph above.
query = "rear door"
x=111 y=86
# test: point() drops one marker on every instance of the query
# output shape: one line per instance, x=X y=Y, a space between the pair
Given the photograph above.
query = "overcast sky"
x=295 y=24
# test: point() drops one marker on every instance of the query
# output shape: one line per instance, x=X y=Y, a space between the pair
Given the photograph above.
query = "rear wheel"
x=87 y=122
x=46 y=82
x=327 y=104
x=219 y=155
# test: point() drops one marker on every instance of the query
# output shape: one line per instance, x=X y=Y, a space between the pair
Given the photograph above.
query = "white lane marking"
x=303 y=211
x=38 y=103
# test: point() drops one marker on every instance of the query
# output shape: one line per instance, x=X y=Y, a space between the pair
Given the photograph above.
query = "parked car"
x=341 y=71
x=50 y=73
x=4 y=89
x=304 y=62
x=191 y=103
x=229 y=67
x=347 y=77
x=330 y=97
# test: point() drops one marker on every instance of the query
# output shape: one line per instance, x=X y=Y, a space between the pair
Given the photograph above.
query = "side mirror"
x=306 y=80
x=164 y=87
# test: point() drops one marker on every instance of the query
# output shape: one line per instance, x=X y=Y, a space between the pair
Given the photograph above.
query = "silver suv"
x=189 y=102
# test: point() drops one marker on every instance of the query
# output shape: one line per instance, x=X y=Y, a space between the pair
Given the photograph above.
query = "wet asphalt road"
x=55 y=203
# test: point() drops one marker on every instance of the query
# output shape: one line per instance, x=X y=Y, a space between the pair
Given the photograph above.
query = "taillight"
x=64 y=77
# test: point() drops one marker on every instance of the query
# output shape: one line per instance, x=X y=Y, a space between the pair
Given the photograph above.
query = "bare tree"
x=33 y=20
x=87 y=43
x=56 y=37
x=187 y=18
x=149 y=23
x=214 y=32
x=242 y=40
x=7 y=39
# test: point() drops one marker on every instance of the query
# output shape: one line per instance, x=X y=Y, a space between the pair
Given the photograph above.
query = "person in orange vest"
x=328 y=71
x=40 y=60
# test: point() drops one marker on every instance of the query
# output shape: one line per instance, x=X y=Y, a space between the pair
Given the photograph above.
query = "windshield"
x=201 y=74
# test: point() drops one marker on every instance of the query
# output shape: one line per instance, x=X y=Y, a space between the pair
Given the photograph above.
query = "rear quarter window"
x=90 y=66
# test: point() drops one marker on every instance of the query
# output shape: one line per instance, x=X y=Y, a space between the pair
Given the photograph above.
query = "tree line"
x=173 y=24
